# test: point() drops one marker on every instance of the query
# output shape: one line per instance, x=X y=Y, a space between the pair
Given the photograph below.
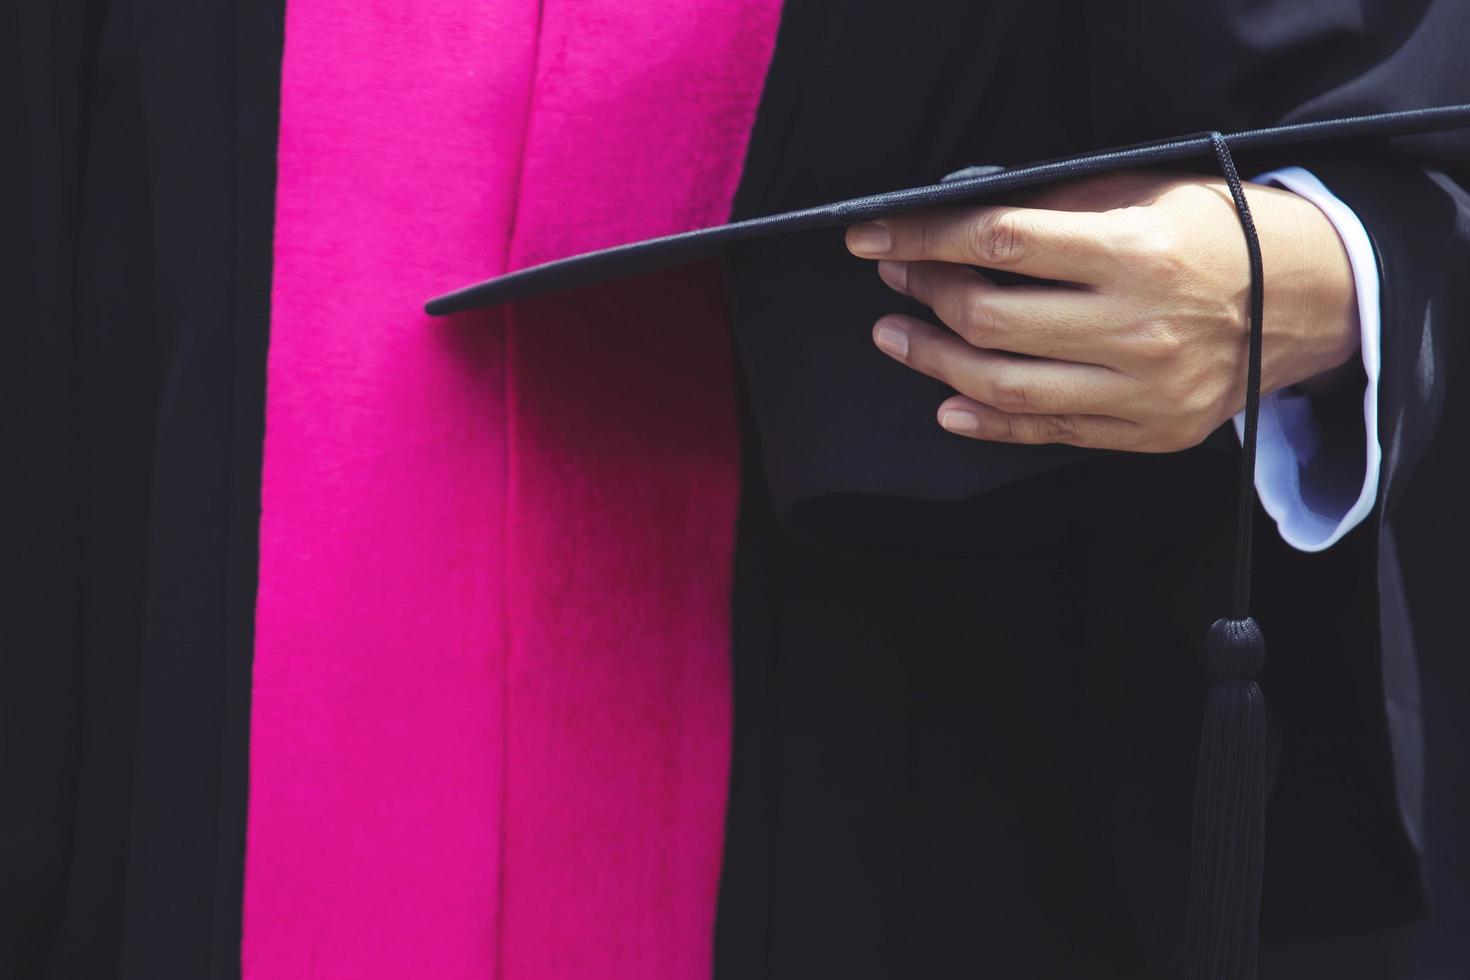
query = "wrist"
x=1312 y=334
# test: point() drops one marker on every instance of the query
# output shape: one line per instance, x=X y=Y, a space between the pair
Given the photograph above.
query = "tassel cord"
x=1228 y=852
x=1244 y=519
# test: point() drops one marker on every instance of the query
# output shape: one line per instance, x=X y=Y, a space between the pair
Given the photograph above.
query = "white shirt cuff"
x=1308 y=496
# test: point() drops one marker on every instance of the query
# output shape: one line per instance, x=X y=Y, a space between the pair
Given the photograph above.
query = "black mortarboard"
x=1231 y=785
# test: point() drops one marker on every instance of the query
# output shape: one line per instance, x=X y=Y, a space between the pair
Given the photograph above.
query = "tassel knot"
x=1236 y=650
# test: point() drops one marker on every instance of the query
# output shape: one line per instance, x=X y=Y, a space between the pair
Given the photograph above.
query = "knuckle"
x=1196 y=435
x=917 y=282
x=1009 y=429
x=1057 y=428
x=939 y=364
x=1154 y=247
x=1135 y=228
x=978 y=322
x=1185 y=433
x=1180 y=399
x=1159 y=341
x=1010 y=394
x=999 y=237
x=1201 y=390
x=1185 y=438
x=1197 y=400
x=924 y=240
x=1164 y=262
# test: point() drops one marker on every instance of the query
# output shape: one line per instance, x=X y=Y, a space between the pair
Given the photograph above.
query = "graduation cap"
x=1228 y=840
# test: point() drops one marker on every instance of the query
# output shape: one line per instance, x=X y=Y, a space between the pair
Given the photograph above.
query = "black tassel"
x=1228 y=851
x=1229 y=810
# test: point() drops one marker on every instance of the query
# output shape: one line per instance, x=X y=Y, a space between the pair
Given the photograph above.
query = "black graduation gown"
x=968 y=677
x=133 y=377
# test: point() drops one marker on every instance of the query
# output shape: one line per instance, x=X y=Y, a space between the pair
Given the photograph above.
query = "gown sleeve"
x=1319 y=481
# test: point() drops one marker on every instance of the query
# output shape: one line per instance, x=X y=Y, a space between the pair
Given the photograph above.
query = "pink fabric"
x=490 y=722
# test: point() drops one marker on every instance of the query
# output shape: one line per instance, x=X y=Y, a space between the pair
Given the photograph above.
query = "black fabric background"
x=47 y=60
x=138 y=274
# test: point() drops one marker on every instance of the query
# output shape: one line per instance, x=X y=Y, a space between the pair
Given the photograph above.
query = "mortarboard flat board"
x=1227 y=850
x=636 y=258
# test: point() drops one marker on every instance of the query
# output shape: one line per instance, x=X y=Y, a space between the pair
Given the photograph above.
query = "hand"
x=1131 y=331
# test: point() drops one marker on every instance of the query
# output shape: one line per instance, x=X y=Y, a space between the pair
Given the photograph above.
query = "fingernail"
x=959 y=420
x=895 y=274
x=872 y=239
x=892 y=339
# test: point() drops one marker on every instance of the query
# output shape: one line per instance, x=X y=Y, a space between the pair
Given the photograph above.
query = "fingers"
x=1088 y=247
x=1004 y=381
x=1042 y=321
x=976 y=420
